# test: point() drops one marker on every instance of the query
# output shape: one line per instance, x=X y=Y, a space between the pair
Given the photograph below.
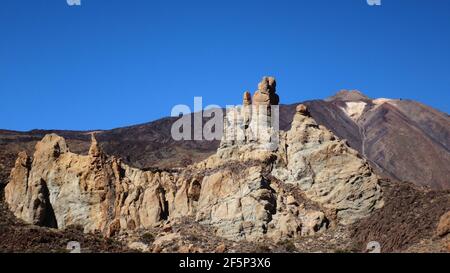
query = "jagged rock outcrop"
x=261 y=183
x=29 y=199
x=94 y=191
x=266 y=93
x=247 y=98
x=443 y=227
x=327 y=170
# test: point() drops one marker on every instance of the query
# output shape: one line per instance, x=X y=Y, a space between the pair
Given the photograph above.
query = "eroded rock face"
x=94 y=191
x=279 y=185
x=247 y=98
x=29 y=200
x=311 y=159
x=327 y=170
x=265 y=95
x=443 y=227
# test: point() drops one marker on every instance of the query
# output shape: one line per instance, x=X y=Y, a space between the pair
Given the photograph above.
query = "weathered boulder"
x=314 y=222
x=302 y=110
x=247 y=98
x=266 y=93
x=443 y=227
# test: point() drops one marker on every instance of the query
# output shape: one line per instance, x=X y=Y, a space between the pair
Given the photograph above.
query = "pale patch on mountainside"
x=354 y=110
x=380 y=101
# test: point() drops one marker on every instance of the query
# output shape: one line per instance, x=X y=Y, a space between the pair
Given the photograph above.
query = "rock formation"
x=326 y=169
x=443 y=227
x=247 y=98
x=281 y=185
x=266 y=93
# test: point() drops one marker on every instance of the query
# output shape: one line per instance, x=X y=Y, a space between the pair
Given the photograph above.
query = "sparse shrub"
x=193 y=238
x=288 y=245
x=261 y=248
x=75 y=228
x=148 y=238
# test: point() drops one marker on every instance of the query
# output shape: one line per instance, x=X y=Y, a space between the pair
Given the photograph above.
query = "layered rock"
x=94 y=191
x=327 y=170
x=261 y=183
x=257 y=121
x=29 y=201
x=443 y=227
x=247 y=98
x=266 y=93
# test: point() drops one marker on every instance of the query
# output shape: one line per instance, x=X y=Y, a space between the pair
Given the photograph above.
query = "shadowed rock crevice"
x=164 y=204
x=45 y=215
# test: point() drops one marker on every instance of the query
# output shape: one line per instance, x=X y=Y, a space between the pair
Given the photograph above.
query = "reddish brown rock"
x=114 y=228
x=220 y=248
x=94 y=150
x=266 y=93
x=443 y=227
x=247 y=98
x=302 y=109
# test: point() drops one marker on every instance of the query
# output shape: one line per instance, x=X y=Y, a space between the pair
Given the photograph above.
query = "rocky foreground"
x=310 y=192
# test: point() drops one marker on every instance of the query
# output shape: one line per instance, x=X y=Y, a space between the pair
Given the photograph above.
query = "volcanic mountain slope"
x=408 y=220
x=402 y=139
x=406 y=140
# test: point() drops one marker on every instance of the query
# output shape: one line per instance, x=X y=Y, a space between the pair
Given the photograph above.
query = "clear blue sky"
x=111 y=63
